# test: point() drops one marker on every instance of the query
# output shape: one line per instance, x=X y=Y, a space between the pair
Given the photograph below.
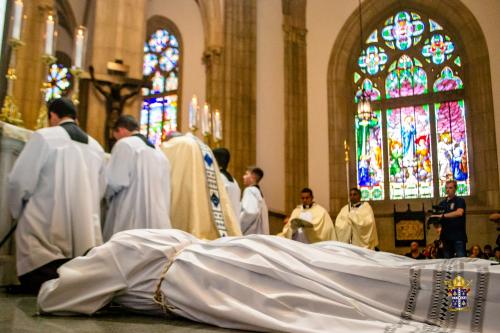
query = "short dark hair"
x=126 y=121
x=259 y=174
x=222 y=156
x=355 y=189
x=452 y=181
x=307 y=190
x=62 y=107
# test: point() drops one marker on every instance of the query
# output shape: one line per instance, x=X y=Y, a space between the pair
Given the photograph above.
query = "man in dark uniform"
x=453 y=232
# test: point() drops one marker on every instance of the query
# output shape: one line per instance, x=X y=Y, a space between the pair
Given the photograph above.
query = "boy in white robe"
x=272 y=284
x=355 y=224
x=232 y=188
x=138 y=177
x=55 y=188
x=254 y=218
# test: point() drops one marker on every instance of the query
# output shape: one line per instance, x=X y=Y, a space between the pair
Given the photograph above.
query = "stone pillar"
x=296 y=143
x=29 y=67
x=239 y=109
x=118 y=33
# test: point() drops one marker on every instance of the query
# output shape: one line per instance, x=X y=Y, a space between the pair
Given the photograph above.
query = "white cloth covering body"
x=138 y=189
x=357 y=226
x=267 y=283
x=234 y=193
x=55 y=188
x=254 y=216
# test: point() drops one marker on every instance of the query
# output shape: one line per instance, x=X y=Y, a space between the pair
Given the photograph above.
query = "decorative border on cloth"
x=212 y=188
x=410 y=303
x=480 y=299
x=439 y=313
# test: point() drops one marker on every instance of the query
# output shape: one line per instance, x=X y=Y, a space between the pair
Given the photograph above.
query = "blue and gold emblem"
x=458 y=289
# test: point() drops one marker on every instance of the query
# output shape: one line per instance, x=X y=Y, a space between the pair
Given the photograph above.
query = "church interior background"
x=284 y=77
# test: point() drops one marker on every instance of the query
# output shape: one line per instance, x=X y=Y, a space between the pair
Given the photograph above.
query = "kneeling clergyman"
x=355 y=223
x=138 y=177
x=309 y=222
x=55 y=189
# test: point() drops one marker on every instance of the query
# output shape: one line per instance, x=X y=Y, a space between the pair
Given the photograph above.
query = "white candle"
x=193 y=113
x=79 y=47
x=205 y=121
x=49 y=35
x=18 y=19
x=217 y=127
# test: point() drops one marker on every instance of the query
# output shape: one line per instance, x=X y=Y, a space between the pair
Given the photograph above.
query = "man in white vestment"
x=254 y=217
x=138 y=177
x=355 y=224
x=55 y=189
x=309 y=222
x=199 y=204
x=272 y=284
x=233 y=190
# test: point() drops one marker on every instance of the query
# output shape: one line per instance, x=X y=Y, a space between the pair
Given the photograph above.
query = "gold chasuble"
x=199 y=204
x=315 y=224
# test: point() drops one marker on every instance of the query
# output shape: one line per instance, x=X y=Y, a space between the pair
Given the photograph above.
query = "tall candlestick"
x=217 y=127
x=205 y=120
x=18 y=20
x=49 y=35
x=193 y=113
x=80 y=39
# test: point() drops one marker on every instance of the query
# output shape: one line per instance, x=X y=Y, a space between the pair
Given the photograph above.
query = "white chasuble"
x=356 y=225
x=319 y=225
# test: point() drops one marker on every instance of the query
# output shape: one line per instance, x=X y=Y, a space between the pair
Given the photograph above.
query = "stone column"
x=118 y=33
x=29 y=68
x=296 y=143
x=239 y=109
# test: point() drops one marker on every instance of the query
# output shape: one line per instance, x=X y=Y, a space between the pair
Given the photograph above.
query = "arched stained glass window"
x=411 y=70
x=161 y=69
x=58 y=82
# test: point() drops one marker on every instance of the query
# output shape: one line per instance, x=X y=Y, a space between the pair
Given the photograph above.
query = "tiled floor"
x=18 y=314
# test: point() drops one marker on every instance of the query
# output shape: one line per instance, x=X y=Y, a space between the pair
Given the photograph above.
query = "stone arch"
x=460 y=22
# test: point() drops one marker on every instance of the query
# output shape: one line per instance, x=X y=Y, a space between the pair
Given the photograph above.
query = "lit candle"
x=79 y=47
x=18 y=19
x=205 y=120
x=49 y=35
x=217 y=127
x=193 y=113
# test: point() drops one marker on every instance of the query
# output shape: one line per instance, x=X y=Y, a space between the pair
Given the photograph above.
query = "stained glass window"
x=411 y=55
x=161 y=68
x=369 y=158
x=410 y=160
x=452 y=149
x=406 y=78
x=58 y=82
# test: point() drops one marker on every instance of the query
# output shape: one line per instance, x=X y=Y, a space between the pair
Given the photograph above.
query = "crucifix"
x=117 y=89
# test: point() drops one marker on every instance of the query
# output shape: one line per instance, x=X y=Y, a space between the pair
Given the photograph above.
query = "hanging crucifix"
x=116 y=92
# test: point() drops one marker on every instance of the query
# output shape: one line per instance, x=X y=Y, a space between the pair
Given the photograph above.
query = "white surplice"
x=55 y=188
x=356 y=225
x=267 y=283
x=254 y=216
x=138 y=189
x=233 y=192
